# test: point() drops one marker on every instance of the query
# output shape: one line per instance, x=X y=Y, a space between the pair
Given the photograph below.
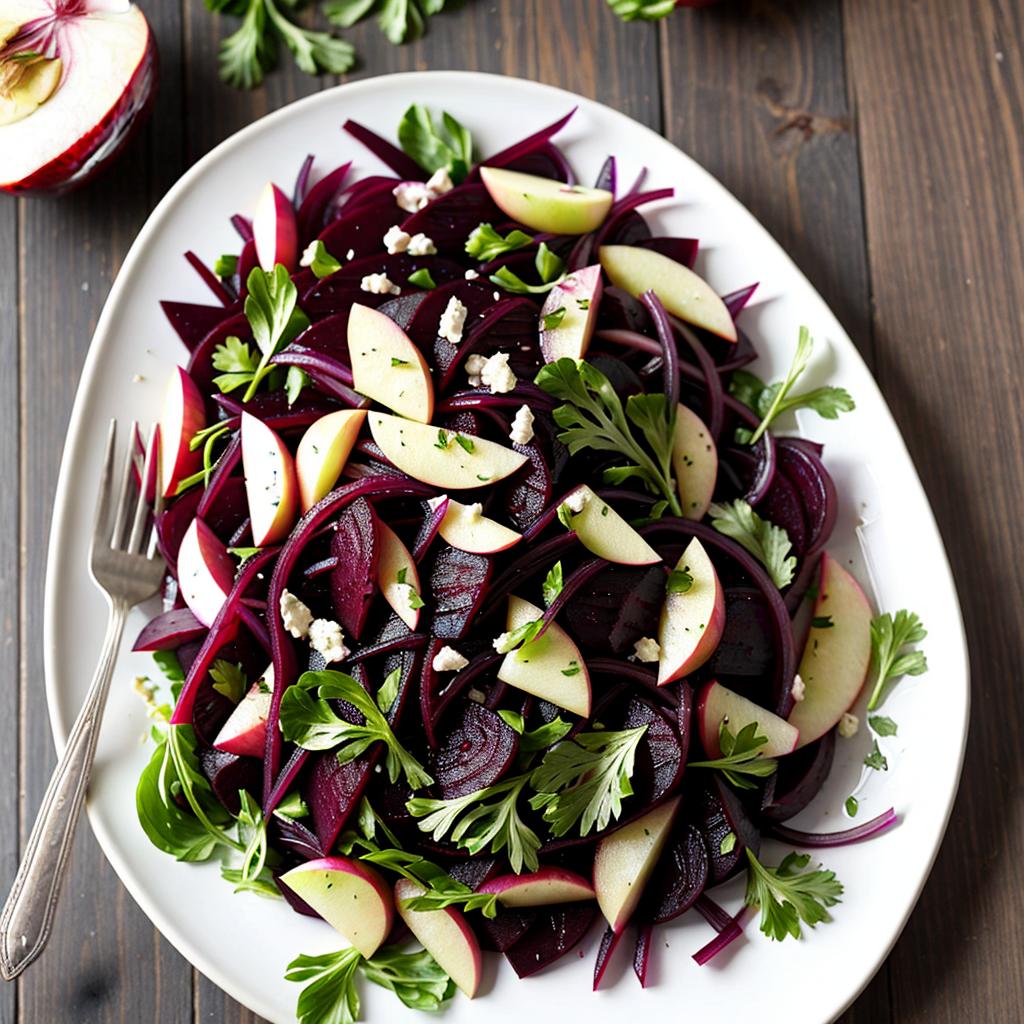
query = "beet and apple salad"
x=498 y=603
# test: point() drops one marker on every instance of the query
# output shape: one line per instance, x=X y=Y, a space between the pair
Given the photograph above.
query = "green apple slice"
x=695 y=463
x=438 y=457
x=544 y=204
x=681 y=291
x=604 y=532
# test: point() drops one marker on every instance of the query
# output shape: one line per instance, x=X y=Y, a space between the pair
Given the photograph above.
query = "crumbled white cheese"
x=647 y=649
x=421 y=245
x=309 y=254
x=475 y=695
x=577 y=500
x=396 y=240
x=471 y=275
x=439 y=182
x=411 y=196
x=326 y=636
x=497 y=374
x=522 y=426
x=379 y=284
x=351 y=254
x=448 y=660
x=799 y=690
x=295 y=616
x=474 y=368
x=848 y=725
x=502 y=643
x=453 y=320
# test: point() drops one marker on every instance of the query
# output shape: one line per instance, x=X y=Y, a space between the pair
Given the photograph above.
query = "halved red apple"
x=270 y=484
x=604 y=532
x=349 y=895
x=274 y=229
x=245 y=731
x=717 y=704
x=695 y=464
x=545 y=204
x=397 y=576
x=573 y=304
x=182 y=417
x=539 y=888
x=466 y=528
x=206 y=572
x=323 y=452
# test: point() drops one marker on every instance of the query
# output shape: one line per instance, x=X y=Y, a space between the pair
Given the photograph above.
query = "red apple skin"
x=709 y=640
x=204 y=563
x=503 y=884
x=709 y=732
x=245 y=731
x=184 y=414
x=256 y=434
x=274 y=230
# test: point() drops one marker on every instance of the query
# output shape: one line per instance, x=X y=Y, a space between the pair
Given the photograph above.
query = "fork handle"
x=28 y=913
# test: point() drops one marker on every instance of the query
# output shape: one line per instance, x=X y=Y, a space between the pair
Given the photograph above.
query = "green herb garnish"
x=768 y=543
x=889 y=636
x=741 y=756
x=446 y=147
x=787 y=895
x=485 y=244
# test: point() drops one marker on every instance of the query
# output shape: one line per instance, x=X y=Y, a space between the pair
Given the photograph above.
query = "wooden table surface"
x=881 y=142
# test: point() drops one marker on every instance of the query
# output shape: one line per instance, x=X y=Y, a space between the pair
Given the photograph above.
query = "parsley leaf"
x=416 y=978
x=389 y=690
x=448 y=147
x=229 y=680
x=552 y=585
x=422 y=279
x=437 y=897
x=544 y=736
x=244 y=553
x=167 y=662
x=323 y=263
x=271 y=307
x=740 y=756
x=642 y=10
x=889 y=635
x=237 y=360
x=513 y=720
x=550 y=268
x=679 y=582
x=768 y=543
x=876 y=760
x=787 y=895
x=402 y=21
x=882 y=725
x=292 y=806
x=585 y=779
x=294 y=382
x=851 y=805
x=551 y=320
x=485 y=244
x=518 y=637
x=330 y=997
x=226 y=265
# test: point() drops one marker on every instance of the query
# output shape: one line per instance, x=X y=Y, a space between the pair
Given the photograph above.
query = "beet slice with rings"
x=618 y=608
x=529 y=493
x=332 y=791
x=451 y=218
x=356 y=545
x=229 y=773
x=719 y=816
x=681 y=875
x=457 y=581
x=476 y=750
x=659 y=762
x=799 y=779
x=747 y=647
x=295 y=837
x=554 y=932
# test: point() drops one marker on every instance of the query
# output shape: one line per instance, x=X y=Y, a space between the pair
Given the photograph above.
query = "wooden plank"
x=939 y=89
x=105 y=962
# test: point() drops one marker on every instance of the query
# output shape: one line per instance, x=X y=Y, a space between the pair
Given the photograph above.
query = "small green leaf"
x=225 y=265
x=851 y=806
x=389 y=690
x=228 y=679
x=728 y=844
x=882 y=725
x=679 y=582
x=551 y=320
x=876 y=759
x=552 y=585
x=513 y=720
x=485 y=244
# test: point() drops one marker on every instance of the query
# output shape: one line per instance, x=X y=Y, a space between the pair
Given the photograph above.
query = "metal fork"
x=128 y=573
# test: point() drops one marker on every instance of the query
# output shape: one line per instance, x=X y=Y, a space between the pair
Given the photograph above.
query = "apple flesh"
x=387 y=366
x=182 y=417
x=275 y=232
x=206 y=572
x=270 y=484
x=541 y=888
x=349 y=895
x=682 y=292
x=624 y=861
x=413 y=448
x=836 y=659
x=323 y=452
x=245 y=731
x=445 y=935
x=544 y=204
x=579 y=295
x=604 y=532
x=717 y=704
x=56 y=135
x=394 y=558
x=463 y=527
x=550 y=667
x=692 y=623
x=695 y=463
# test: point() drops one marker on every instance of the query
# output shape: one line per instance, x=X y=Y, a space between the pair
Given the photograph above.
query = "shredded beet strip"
x=607 y=177
x=885 y=820
x=297 y=355
x=540 y=557
x=716 y=916
x=642 y=953
x=609 y=941
x=410 y=642
x=724 y=938
x=524 y=147
x=669 y=352
x=302 y=181
x=712 y=382
x=243 y=226
x=587 y=571
x=210 y=279
x=637 y=673
x=404 y=166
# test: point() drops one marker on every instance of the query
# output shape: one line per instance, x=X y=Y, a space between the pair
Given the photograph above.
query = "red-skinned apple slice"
x=206 y=572
x=397 y=576
x=540 y=888
x=549 y=667
x=836 y=659
x=579 y=295
x=387 y=366
x=245 y=731
x=270 y=484
x=624 y=861
x=323 y=452
x=604 y=532
x=695 y=464
x=445 y=935
x=691 y=624
x=414 y=449
x=544 y=204
x=182 y=417
x=465 y=528
x=717 y=704
x=68 y=116
x=681 y=291
x=274 y=229
x=349 y=895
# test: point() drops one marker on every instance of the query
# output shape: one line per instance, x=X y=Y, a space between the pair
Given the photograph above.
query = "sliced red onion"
x=669 y=352
x=312 y=213
x=883 y=821
x=302 y=181
x=607 y=177
x=309 y=359
x=718 y=917
x=737 y=300
x=712 y=381
x=210 y=279
x=243 y=226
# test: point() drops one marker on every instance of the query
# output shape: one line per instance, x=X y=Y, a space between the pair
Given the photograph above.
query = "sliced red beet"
x=457 y=581
x=803 y=468
x=356 y=545
x=680 y=877
x=360 y=229
x=609 y=941
x=403 y=308
x=451 y=218
x=799 y=779
x=501 y=933
x=476 y=296
x=555 y=931
x=720 y=815
x=475 y=751
x=642 y=953
x=621 y=605
x=329 y=337
x=169 y=630
x=312 y=208
x=659 y=755
x=192 y=321
x=296 y=838
x=229 y=773
x=747 y=646
x=332 y=791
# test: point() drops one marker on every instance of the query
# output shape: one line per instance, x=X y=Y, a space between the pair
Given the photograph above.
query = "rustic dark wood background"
x=881 y=142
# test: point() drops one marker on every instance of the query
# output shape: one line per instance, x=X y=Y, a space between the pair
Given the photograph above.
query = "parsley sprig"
x=768 y=543
x=485 y=244
x=401 y=21
x=448 y=146
x=890 y=635
x=550 y=268
x=741 y=756
x=787 y=895
x=642 y=10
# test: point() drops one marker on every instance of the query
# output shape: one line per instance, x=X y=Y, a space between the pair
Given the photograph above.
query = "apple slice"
x=445 y=935
x=695 y=464
x=465 y=528
x=397 y=577
x=624 y=861
x=550 y=667
x=387 y=366
x=323 y=452
x=692 y=623
x=681 y=291
x=270 y=484
x=544 y=204
x=274 y=229
x=716 y=704
x=604 y=532
x=245 y=731
x=836 y=659
x=182 y=417
x=349 y=895
x=206 y=572
x=579 y=296
x=540 y=888
x=418 y=449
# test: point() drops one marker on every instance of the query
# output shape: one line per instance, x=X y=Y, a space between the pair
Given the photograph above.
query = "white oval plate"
x=806 y=982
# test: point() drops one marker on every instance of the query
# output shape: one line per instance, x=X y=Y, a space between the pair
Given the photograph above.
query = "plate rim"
x=60 y=526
